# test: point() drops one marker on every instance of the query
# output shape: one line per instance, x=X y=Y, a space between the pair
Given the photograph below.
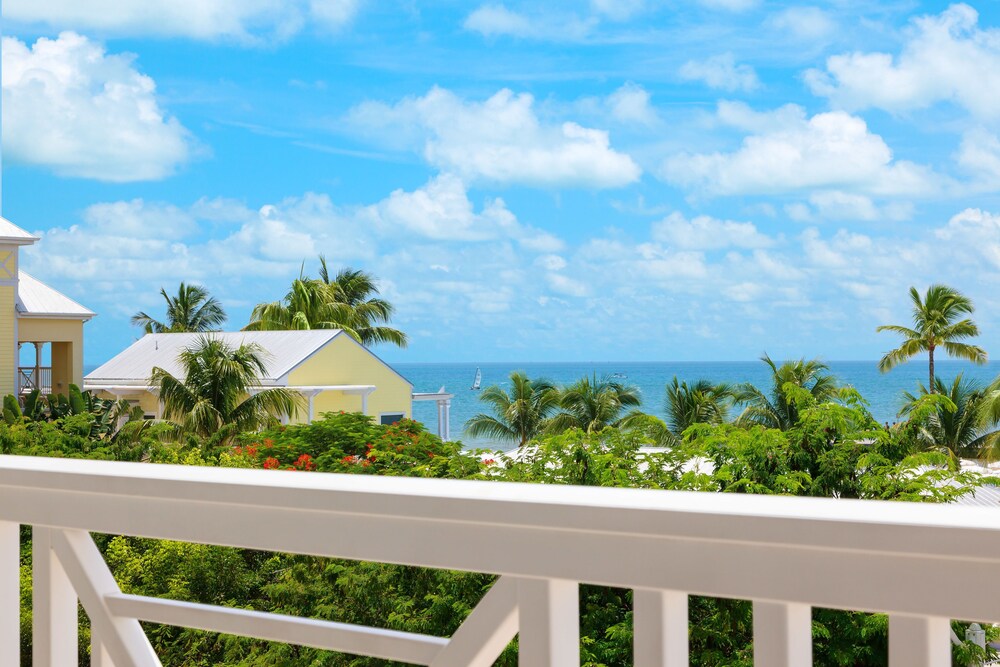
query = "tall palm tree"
x=961 y=431
x=359 y=291
x=593 y=405
x=217 y=395
x=348 y=302
x=935 y=324
x=192 y=310
x=772 y=408
x=518 y=415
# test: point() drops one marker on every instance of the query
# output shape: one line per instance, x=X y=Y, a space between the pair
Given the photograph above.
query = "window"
x=387 y=418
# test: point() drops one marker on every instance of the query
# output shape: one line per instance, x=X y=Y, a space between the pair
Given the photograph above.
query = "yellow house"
x=326 y=366
x=32 y=312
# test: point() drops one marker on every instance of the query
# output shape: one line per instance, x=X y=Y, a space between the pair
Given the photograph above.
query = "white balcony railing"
x=921 y=564
x=30 y=378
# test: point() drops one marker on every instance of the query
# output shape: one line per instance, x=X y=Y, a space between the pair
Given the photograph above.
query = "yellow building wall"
x=149 y=402
x=344 y=361
x=8 y=341
x=66 y=337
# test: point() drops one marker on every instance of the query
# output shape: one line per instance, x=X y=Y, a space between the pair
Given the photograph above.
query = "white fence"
x=921 y=564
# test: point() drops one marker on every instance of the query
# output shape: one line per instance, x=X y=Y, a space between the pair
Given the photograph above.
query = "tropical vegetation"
x=936 y=324
x=192 y=310
x=516 y=415
x=349 y=300
x=219 y=393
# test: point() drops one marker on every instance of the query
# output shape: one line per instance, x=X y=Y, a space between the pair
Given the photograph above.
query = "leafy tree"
x=936 y=324
x=593 y=405
x=192 y=310
x=217 y=396
x=348 y=301
x=518 y=415
x=773 y=408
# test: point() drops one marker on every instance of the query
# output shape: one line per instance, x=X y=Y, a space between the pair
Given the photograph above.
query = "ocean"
x=882 y=391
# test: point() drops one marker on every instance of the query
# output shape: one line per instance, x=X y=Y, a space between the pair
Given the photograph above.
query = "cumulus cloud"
x=496 y=20
x=441 y=210
x=72 y=107
x=975 y=232
x=721 y=72
x=833 y=150
x=729 y=5
x=248 y=21
x=631 y=104
x=945 y=58
x=846 y=206
x=500 y=140
x=979 y=155
x=804 y=23
x=707 y=233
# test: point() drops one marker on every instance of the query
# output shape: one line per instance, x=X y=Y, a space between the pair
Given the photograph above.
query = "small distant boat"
x=478 y=381
x=620 y=376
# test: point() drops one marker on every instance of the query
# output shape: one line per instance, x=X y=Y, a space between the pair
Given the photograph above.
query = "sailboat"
x=478 y=380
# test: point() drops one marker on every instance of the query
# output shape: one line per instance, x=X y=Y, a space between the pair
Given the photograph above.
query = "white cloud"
x=845 y=206
x=729 y=5
x=707 y=233
x=441 y=210
x=248 y=21
x=804 y=23
x=495 y=20
x=975 y=232
x=945 y=58
x=832 y=150
x=979 y=155
x=71 y=107
x=137 y=219
x=721 y=72
x=500 y=140
x=618 y=10
x=631 y=104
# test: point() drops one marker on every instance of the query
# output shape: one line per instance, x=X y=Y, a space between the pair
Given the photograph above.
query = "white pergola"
x=443 y=400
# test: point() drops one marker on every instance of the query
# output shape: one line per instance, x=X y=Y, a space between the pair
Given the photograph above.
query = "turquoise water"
x=883 y=392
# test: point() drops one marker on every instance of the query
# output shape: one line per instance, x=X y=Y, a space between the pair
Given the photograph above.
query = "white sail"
x=478 y=380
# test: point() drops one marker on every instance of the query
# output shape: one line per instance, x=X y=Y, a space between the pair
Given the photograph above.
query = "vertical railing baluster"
x=782 y=635
x=549 y=615
x=10 y=593
x=660 y=628
x=55 y=632
x=919 y=641
x=99 y=656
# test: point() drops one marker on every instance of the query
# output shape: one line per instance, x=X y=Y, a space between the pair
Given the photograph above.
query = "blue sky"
x=573 y=180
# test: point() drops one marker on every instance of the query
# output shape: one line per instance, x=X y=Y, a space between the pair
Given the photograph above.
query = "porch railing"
x=30 y=378
x=922 y=564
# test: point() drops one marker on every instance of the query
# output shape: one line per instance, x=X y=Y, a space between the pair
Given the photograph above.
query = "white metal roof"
x=36 y=299
x=11 y=233
x=283 y=351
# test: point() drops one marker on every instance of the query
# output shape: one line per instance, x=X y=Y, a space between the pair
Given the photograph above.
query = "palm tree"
x=369 y=313
x=593 y=405
x=217 y=395
x=700 y=403
x=192 y=310
x=348 y=302
x=773 y=409
x=958 y=426
x=518 y=415
x=935 y=324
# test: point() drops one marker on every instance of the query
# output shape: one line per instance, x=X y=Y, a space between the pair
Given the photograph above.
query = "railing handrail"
x=874 y=556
